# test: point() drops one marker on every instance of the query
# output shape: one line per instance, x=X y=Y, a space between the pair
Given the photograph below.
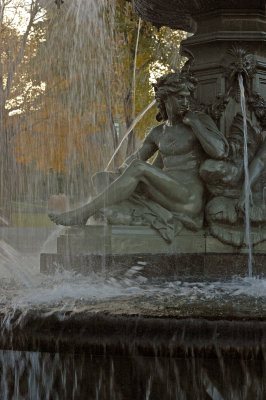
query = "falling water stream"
x=247 y=183
x=134 y=71
x=132 y=126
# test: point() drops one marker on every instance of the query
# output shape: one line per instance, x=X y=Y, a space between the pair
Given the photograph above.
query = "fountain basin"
x=139 y=345
x=117 y=330
x=107 y=357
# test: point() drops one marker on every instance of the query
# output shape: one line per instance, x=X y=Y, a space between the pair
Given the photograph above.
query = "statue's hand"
x=189 y=118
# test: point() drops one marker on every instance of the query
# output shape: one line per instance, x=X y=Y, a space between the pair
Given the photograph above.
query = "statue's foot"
x=69 y=218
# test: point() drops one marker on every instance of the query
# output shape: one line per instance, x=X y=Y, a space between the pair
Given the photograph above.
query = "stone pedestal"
x=111 y=239
x=197 y=255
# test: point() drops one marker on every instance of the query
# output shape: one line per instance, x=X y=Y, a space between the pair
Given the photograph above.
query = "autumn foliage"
x=76 y=83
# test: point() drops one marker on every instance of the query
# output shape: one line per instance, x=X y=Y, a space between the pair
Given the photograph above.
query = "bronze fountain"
x=190 y=201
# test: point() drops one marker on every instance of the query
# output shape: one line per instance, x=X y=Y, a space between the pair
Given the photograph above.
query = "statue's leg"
x=102 y=179
x=161 y=188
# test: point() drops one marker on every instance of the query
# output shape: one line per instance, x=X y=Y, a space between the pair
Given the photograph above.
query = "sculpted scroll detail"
x=225 y=179
x=225 y=183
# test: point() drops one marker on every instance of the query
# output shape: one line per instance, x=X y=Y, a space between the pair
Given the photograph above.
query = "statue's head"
x=176 y=86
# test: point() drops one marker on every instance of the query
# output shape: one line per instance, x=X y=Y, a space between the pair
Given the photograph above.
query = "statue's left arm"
x=211 y=139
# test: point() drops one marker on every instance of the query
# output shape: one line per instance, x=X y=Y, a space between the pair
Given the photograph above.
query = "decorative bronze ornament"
x=59 y=3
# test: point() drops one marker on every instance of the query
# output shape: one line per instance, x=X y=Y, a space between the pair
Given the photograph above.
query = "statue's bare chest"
x=176 y=140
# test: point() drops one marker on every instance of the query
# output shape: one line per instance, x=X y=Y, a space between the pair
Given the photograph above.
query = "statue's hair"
x=170 y=84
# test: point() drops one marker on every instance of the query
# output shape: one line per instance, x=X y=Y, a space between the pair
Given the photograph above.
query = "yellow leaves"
x=55 y=137
x=87 y=90
x=142 y=59
x=47 y=137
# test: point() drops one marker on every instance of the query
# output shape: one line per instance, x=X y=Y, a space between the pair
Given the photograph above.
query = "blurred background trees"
x=71 y=83
x=18 y=42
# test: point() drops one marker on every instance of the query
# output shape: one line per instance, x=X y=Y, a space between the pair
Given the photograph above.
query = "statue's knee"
x=101 y=180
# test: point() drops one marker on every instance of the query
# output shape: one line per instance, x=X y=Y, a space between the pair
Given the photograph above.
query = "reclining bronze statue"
x=195 y=165
x=172 y=183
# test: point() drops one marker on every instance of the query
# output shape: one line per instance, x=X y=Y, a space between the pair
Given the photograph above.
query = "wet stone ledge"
x=99 y=248
x=211 y=266
x=100 y=334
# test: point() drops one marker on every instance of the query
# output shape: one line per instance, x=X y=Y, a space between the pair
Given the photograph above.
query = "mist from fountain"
x=69 y=290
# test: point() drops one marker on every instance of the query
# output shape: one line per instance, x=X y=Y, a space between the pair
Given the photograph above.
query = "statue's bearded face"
x=177 y=104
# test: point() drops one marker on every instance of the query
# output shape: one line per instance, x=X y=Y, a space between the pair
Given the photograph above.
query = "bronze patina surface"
x=196 y=183
x=178 y=14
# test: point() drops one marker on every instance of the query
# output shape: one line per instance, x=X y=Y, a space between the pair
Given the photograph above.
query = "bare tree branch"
x=34 y=11
x=2 y=10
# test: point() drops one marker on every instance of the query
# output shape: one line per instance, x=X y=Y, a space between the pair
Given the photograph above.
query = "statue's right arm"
x=147 y=150
x=211 y=139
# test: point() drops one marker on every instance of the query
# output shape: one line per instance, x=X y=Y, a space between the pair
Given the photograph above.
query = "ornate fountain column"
x=219 y=26
x=228 y=40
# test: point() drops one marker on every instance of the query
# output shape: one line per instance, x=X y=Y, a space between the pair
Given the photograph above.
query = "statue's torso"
x=179 y=148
